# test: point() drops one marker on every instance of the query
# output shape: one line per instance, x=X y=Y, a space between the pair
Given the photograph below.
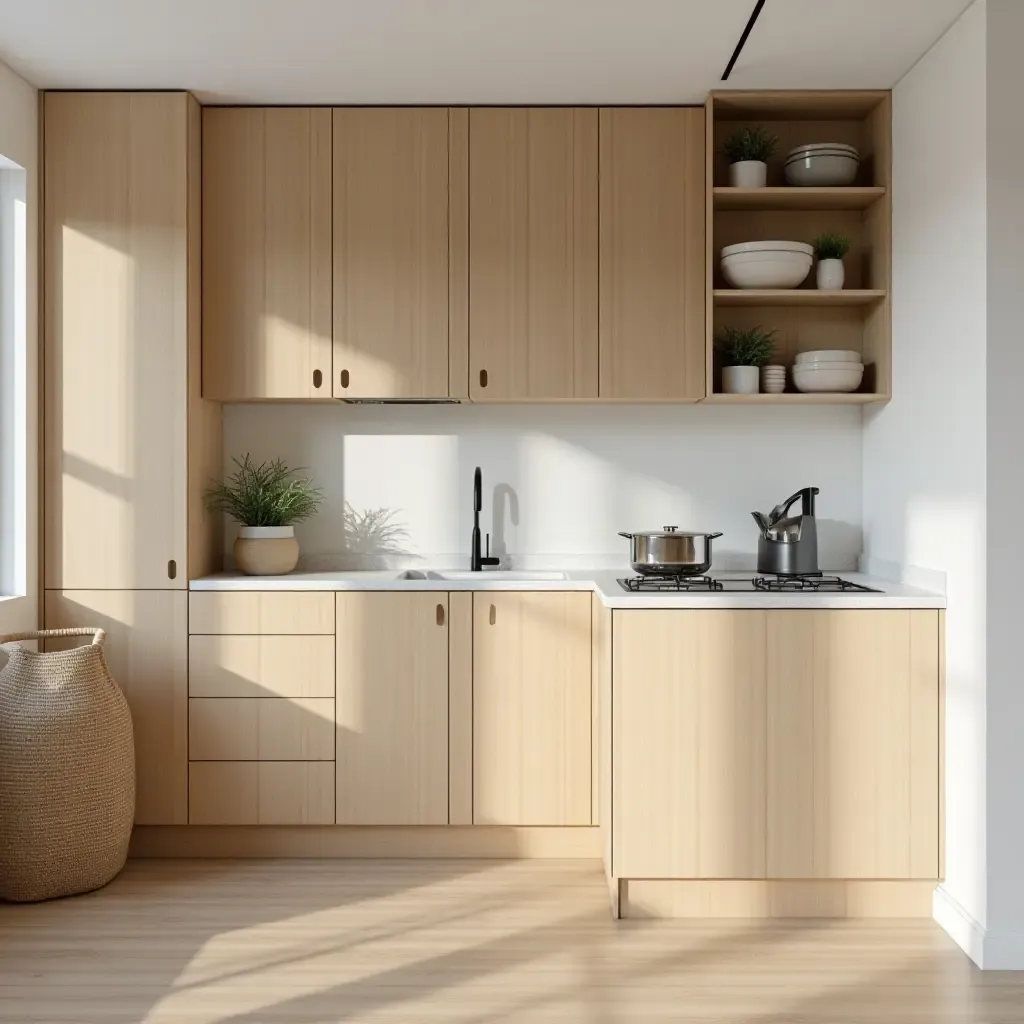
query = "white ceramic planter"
x=831 y=275
x=748 y=174
x=741 y=380
x=266 y=550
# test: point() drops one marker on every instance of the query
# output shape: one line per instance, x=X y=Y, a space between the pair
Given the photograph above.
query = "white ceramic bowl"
x=771 y=245
x=819 y=379
x=778 y=269
x=836 y=355
x=828 y=366
x=819 y=147
x=822 y=169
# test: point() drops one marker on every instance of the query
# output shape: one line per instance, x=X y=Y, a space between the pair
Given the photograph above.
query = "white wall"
x=566 y=478
x=19 y=115
x=1004 y=946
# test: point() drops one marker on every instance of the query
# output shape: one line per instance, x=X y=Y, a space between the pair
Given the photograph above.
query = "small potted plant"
x=830 y=249
x=266 y=501
x=743 y=351
x=747 y=151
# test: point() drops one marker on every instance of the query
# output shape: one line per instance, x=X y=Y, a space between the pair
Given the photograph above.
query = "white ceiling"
x=464 y=51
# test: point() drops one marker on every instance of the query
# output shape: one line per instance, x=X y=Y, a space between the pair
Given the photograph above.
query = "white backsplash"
x=560 y=481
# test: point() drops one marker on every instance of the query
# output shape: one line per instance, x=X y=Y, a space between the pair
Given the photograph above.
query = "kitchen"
x=495 y=349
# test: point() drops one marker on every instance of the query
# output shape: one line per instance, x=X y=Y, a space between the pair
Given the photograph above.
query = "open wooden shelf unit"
x=857 y=318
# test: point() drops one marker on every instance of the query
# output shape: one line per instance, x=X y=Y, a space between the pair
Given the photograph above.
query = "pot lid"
x=669 y=531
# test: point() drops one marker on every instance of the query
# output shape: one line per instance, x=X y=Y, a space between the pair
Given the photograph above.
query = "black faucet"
x=476 y=560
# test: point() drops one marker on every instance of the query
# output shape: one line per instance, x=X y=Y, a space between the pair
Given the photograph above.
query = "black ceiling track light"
x=743 y=40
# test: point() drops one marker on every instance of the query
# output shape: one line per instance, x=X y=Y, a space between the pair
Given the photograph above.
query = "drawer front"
x=264 y=611
x=261 y=666
x=261 y=793
x=260 y=729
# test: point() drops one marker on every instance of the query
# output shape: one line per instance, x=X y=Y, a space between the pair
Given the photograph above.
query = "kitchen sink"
x=458 y=576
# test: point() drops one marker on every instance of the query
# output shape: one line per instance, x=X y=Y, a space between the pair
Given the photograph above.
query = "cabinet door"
x=390 y=252
x=147 y=652
x=853 y=744
x=531 y=709
x=533 y=253
x=688 y=744
x=392 y=709
x=652 y=253
x=266 y=253
x=116 y=340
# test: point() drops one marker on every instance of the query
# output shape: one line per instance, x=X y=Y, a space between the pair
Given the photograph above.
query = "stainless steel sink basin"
x=497 y=575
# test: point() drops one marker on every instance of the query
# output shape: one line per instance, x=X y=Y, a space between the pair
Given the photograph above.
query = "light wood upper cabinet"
x=391 y=252
x=392 y=709
x=688 y=744
x=531 y=709
x=147 y=651
x=116 y=232
x=652 y=276
x=533 y=217
x=266 y=253
x=853 y=744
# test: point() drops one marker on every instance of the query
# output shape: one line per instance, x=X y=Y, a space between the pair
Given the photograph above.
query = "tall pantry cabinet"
x=128 y=441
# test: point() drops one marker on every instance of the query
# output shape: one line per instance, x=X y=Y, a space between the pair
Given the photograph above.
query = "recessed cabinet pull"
x=344 y=378
x=483 y=378
x=493 y=614
x=318 y=378
x=440 y=614
x=172 y=569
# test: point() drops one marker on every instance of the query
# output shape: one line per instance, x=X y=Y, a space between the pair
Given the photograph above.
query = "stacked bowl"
x=770 y=264
x=773 y=379
x=822 y=164
x=828 y=370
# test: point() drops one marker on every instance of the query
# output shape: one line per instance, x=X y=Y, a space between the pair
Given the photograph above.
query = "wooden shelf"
x=797 y=398
x=794 y=198
x=796 y=297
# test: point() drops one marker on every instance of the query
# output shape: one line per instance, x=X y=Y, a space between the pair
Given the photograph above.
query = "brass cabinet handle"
x=172 y=569
x=494 y=614
x=440 y=614
x=318 y=378
x=483 y=378
x=344 y=378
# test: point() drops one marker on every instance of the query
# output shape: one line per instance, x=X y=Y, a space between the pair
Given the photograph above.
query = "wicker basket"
x=67 y=770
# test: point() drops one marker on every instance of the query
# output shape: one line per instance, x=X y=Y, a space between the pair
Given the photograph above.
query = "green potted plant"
x=743 y=351
x=830 y=248
x=266 y=500
x=747 y=151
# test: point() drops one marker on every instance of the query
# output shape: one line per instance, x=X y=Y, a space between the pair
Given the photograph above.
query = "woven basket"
x=67 y=770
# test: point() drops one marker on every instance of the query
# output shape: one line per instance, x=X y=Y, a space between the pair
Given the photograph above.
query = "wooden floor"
x=276 y=942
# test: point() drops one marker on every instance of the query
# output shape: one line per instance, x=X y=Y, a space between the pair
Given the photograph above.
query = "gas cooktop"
x=746 y=585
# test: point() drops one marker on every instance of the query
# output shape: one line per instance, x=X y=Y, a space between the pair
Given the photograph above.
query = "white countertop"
x=602 y=582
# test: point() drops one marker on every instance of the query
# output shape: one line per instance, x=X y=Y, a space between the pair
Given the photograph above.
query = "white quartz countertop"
x=602 y=582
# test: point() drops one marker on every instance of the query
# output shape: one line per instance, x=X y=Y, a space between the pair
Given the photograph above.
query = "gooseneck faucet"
x=476 y=560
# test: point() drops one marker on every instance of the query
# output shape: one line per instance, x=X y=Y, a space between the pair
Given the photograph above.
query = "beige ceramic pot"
x=266 y=550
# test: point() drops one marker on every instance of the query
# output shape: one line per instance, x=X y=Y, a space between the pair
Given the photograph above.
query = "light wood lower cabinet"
x=779 y=744
x=392 y=708
x=261 y=666
x=688 y=744
x=261 y=793
x=261 y=729
x=146 y=649
x=853 y=744
x=256 y=612
x=531 y=709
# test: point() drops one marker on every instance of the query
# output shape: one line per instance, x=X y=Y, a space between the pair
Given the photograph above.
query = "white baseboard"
x=959 y=925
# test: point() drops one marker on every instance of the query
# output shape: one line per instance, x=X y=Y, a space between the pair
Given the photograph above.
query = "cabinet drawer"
x=264 y=793
x=263 y=611
x=260 y=729
x=261 y=666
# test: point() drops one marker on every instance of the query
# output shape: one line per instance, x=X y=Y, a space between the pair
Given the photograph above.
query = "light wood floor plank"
x=284 y=942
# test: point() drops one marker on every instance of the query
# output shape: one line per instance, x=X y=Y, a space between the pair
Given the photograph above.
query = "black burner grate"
x=681 y=583
x=806 y=584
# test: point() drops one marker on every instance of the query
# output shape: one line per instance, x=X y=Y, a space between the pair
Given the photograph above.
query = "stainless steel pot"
x=670 y=552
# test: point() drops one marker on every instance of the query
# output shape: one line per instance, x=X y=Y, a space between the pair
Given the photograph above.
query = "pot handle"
x=628 y=536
